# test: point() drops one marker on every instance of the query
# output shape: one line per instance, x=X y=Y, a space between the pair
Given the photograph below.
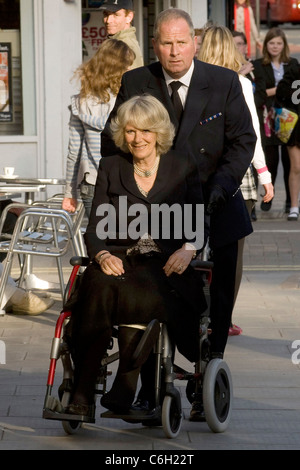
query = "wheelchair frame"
x=210 y=383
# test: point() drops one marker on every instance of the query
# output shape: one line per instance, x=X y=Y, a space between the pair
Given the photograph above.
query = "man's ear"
x=129 y=16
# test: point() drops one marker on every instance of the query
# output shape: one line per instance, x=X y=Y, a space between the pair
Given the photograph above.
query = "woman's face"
x=275 y=47
x=141 y=142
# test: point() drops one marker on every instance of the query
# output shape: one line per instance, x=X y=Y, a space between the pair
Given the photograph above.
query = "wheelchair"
x=210 y=382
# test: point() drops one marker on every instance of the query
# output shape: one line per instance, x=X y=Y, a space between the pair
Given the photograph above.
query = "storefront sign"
x=5 y=82
x=93 y=33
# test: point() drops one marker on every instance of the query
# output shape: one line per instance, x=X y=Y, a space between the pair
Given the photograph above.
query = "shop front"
x=42 y=42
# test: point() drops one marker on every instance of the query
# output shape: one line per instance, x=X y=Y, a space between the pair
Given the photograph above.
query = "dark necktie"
x=176 y=99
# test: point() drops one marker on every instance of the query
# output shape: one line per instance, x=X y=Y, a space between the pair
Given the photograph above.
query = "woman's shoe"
x=113 y=404
x=235 y=330
x=253 y=215
x=293 y=215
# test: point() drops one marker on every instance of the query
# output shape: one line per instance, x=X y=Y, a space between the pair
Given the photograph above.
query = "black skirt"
x=143 y=293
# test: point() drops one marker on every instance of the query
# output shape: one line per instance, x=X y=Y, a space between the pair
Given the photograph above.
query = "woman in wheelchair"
x=145 y=227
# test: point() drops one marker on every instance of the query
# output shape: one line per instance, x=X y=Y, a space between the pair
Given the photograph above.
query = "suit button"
x=202 y=150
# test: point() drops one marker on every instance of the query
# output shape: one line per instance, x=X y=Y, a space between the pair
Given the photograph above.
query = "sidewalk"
x=266 y=406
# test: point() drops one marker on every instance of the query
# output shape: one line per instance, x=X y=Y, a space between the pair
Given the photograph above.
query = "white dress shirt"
x=185 y=80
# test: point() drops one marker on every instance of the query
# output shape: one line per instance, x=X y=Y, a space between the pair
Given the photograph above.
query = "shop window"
x=11 y=120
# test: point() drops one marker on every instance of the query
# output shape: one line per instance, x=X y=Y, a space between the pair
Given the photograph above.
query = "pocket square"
x=211 y=118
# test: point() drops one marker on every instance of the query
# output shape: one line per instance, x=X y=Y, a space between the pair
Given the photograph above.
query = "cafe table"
x=29 y=186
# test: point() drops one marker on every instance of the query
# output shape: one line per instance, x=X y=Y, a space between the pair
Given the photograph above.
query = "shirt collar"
x=185 y=80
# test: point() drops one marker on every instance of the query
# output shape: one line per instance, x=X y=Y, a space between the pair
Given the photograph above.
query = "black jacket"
x=211 y=129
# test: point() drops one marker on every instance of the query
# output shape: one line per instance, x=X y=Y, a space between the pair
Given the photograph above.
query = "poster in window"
x=93 y=33
x=5 y=82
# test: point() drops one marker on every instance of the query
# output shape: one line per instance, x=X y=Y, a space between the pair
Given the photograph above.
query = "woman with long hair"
x=100 y=80
x=288 y=94
x=268 y=71
x=244 y=22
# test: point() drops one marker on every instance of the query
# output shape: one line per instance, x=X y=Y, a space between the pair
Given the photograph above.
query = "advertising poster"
x=93 y=33
x=5 y=82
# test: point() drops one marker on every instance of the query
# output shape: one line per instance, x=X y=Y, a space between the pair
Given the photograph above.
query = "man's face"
x=116 y=21
x=175 y=48
x=242 y=47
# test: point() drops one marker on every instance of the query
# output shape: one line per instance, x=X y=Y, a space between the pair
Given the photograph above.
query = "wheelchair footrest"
x=134 y=416
x=49 y=414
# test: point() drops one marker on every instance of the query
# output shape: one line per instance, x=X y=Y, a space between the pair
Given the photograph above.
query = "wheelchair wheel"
x=217 y=395
x=71 y=427
x=171 y=416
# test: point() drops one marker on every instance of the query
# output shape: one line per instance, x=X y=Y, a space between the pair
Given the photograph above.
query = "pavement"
x=264 y=364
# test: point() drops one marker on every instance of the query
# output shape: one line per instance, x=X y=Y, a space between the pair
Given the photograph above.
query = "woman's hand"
x=110 y=264
x=69 y=204
x=269 y=192
x=247 y=68
x=178 y=261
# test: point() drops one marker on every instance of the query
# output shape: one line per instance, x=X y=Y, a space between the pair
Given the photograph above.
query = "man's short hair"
x=172 y=14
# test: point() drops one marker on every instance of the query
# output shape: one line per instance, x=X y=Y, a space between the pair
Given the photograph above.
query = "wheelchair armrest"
x=79 y=261
x=199 y=264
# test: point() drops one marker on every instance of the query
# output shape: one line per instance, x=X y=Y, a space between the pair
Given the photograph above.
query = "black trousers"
x=222 y=290
x=272 y=154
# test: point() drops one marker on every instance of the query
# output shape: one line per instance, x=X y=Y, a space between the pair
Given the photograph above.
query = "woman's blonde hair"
x=143 y=112
x=218 y=48
x=103 y=72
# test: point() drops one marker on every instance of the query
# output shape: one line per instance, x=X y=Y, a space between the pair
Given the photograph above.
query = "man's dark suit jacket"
x=216 y=128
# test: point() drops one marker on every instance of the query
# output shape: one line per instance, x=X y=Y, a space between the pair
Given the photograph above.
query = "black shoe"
x=80 y=410
x=112 y=405
x=265 y=206
x=253 y=215
x=197 y=412
x=141 y=405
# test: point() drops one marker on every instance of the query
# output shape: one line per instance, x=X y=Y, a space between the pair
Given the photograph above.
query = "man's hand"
x=217 y=200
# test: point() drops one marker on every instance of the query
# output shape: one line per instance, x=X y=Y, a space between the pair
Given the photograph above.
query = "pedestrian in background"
x=100 y=80
x=117 y=18
x=289 y=98
x=244 y=21
x=268 y=71
x=247 y=69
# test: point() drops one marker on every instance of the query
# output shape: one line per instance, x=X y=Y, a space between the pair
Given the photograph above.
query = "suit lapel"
x=195 y=103
x=197 y=98
x=127 y=177
x=157 y=87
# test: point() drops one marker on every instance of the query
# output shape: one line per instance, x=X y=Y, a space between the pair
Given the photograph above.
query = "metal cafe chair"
x=44 y=231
